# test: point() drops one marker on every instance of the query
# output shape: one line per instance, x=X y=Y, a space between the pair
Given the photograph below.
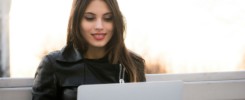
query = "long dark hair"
x=115 y=48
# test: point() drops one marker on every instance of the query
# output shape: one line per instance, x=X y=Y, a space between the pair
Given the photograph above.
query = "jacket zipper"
x=121 y=74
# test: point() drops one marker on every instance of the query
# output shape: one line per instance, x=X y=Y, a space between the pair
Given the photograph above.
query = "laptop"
x=160 y=90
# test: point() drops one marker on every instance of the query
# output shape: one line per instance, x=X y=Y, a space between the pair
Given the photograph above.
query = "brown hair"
x=115 y=48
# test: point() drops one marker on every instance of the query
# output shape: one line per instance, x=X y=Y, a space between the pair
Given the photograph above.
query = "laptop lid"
x=163 y=90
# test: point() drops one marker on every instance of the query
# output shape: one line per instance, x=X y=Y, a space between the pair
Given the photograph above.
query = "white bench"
x=208 y=86
x=197 y=86
x=15 y=88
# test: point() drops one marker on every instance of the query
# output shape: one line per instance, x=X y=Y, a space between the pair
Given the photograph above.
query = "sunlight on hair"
x=174 y=36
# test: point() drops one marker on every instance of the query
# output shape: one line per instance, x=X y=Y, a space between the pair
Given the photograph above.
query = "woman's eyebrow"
x=108 y=13
x=89 y=13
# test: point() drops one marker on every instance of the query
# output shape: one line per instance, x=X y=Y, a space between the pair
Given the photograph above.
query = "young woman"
x=95 y=53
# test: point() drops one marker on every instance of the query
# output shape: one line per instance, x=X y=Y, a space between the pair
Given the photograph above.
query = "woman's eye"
x=89 y=18
x=108 y=18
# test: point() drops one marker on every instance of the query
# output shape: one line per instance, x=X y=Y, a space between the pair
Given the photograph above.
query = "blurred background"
x=173 y=36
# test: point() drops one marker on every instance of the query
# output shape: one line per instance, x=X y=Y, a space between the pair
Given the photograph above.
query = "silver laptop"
x=163 y=90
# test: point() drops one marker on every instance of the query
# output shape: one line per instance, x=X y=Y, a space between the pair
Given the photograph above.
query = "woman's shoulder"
x=136 y=57
x=66 y=54
x=140 y=66
x=52 y=55
x=138 y=60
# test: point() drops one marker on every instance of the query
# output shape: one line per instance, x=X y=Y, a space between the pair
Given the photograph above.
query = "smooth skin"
x=97 y=27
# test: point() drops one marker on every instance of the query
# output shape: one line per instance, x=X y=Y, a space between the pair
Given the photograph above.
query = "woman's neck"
x=95 y=53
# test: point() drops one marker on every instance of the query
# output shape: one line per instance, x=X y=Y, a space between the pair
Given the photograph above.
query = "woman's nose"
x=99 y=24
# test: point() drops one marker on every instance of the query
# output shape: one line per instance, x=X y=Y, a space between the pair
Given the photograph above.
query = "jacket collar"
x=69 y=54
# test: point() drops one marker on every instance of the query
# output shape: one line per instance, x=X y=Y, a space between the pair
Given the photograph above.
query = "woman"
x=95 y=53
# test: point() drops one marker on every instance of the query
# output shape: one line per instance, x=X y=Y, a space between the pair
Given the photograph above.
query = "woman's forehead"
x=97 y=6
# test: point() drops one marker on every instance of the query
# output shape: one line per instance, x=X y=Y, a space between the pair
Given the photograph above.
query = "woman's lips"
x=99 y=36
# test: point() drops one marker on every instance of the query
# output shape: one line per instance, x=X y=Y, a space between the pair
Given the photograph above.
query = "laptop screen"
x=163 y=90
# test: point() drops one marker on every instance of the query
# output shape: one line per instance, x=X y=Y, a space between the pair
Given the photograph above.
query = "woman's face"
x=97 y=24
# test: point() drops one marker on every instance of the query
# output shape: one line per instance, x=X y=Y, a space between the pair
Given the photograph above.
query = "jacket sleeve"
x=44 y=86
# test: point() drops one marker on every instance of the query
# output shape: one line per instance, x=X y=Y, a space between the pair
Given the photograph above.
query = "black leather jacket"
x=61 y=72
